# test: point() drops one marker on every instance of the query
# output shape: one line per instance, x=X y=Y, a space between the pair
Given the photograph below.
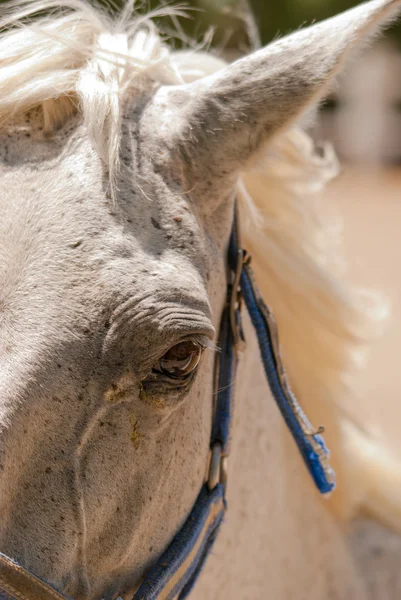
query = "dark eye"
x=180 y=360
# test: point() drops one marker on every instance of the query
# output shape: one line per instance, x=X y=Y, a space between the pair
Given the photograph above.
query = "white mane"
x=76 y=57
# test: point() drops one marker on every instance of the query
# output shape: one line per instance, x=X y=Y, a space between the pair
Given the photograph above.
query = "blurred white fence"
x=363 y=116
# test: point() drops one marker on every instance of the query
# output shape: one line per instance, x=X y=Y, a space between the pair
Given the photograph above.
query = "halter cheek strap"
x=175 y=574
x=16 y=583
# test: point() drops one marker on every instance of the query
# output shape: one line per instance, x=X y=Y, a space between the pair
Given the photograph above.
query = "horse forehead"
x=60 y=229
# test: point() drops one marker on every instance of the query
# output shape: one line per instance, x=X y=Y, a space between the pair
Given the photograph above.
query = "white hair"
x=72 y=56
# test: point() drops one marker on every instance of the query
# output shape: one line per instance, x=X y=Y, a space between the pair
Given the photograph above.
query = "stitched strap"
x=18 y=584
x=177 y=570
x=224 y=394
x=309 y=441
x=175 y=574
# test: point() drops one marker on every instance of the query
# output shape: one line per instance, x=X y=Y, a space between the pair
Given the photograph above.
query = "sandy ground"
x=370 y=201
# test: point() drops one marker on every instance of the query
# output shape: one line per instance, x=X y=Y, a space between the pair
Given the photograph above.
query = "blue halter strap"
x=175 y=574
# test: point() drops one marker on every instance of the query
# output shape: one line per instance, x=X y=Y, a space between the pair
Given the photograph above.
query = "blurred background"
x=362 y=119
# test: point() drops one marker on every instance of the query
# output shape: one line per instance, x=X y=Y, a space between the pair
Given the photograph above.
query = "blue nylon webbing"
x=181 y=564
x=225 y=382
x=323 y=477
x=311 y=445
x=175 y=573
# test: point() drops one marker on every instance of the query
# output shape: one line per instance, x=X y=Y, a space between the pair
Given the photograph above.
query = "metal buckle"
x=235 y=302
x=217 y=468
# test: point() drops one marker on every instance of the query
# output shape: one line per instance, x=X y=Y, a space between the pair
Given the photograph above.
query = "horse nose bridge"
x=38 y=497
x=21 y=398
x=36 y=387
x=15 y=380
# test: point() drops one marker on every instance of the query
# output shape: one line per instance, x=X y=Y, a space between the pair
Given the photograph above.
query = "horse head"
x=119 y=169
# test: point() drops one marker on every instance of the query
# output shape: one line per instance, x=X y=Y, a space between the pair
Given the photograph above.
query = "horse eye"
x=181 y=360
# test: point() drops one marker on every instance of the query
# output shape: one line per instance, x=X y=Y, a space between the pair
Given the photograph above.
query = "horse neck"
x=278 y=535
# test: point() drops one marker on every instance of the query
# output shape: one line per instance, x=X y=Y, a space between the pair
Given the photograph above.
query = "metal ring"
x=223 y=472
x=214 y=467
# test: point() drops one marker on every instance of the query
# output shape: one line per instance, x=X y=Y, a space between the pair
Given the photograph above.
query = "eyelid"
x=205 y=342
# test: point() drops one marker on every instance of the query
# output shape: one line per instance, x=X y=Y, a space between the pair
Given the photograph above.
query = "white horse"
x=120 y=161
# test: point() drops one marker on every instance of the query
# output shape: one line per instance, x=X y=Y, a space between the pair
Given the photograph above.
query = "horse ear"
x=223 y=118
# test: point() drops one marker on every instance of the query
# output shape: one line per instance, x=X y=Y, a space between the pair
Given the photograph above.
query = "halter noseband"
x=174 y=575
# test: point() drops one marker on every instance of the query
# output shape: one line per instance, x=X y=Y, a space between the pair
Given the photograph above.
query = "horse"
x=124 y=166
